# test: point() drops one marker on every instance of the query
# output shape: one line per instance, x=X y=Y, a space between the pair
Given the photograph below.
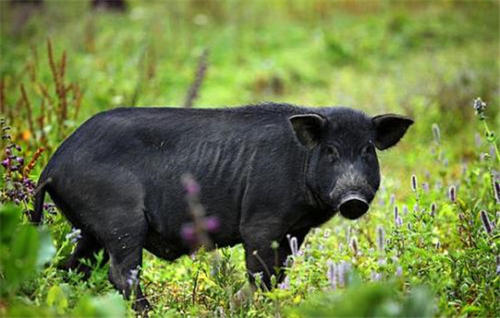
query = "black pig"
x=265 y=171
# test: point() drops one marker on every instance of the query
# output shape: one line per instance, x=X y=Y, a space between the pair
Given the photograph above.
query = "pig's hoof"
x=142 y=307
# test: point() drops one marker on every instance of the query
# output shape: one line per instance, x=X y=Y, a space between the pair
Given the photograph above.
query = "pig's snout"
x=353 y=206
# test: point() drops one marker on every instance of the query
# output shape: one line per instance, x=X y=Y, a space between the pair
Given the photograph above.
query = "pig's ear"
x=308 y=128
x=390 y=128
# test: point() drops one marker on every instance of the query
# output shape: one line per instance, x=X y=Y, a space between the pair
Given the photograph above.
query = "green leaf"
x=56 y=297
x=46 y=249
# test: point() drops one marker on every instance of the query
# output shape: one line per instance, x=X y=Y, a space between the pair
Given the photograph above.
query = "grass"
x=428 y=60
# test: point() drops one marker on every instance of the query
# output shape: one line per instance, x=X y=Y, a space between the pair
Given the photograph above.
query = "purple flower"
x=354 y=245
x=332 y=274
x=74 y=235
x=479 y=107
x=20 y=160
x=6 y=163
x=415 y=207
x=212 y=223
x=190 y=185
x=496 y=189
x=405 y=209
x=433 y=209
x=425 y=186
x=436 y=133
x=380 y=238
x=285 y=284
x=294 y=245
x=188 y=233
x=486 y=222
x=414 y=183
x=477 y=139
x=452 y=194
x=498 y=264
x=399 y=271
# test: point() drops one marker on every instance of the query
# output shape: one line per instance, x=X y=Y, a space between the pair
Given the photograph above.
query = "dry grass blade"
x=201 y=70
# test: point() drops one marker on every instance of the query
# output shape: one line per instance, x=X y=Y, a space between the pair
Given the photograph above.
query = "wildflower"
x=382 y=261
x=479 y=107
x=294 y=245
x=332 y=274
x=414 y=183
x=6 y=163
x=380 y=238
x=326 y=233
x=190 y=185
x=74 y=235
x=342 y=271
x=397 y=218
x=399 y=221
x=415 y=207
x=438 y=244
x=436 y=133
x=133 y=279
x=496 y=190
x=392 y=199
x=354 y=245
x=477 y=139
x=433 y=209
x=399 y=271
x=498 y=264
x=486 y=222
x=425 y=186
x=405 y=209
x=285 y=284
x=452 y=194
x=375 y=276
x=211 y=223
x=188 y=233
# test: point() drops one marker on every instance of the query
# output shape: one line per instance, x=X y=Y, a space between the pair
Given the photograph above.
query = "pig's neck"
x=312 y=191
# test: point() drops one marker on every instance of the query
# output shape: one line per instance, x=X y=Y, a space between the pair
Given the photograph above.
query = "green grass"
x=428 y=60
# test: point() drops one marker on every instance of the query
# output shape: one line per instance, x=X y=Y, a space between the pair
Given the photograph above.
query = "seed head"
x=294 y=245
x=414 y=183
x=496 y=190
x=331 y=274
x=479 y=107
x=436 y=133
x=380 y=238
x=433 y=209
x=486 y=222
x=354 y=245
x=452 y=194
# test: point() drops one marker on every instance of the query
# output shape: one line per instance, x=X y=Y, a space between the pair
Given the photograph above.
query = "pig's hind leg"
x=125 y=253
x=84 y=253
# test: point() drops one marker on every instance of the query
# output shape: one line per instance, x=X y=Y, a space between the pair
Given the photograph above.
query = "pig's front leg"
x=261 y=258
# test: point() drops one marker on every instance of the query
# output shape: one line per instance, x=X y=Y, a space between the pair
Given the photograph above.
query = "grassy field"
x=431 y=249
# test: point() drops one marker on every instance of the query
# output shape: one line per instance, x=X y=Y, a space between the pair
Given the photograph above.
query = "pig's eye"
x=333 y=154
x=368 y=150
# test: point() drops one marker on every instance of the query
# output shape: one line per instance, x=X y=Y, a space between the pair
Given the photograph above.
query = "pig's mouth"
x=353 y=206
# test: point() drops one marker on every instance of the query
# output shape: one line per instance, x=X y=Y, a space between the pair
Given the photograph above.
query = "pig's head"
x=342 y=169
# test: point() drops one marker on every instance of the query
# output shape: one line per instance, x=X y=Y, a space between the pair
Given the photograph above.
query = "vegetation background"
x=429 y=245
